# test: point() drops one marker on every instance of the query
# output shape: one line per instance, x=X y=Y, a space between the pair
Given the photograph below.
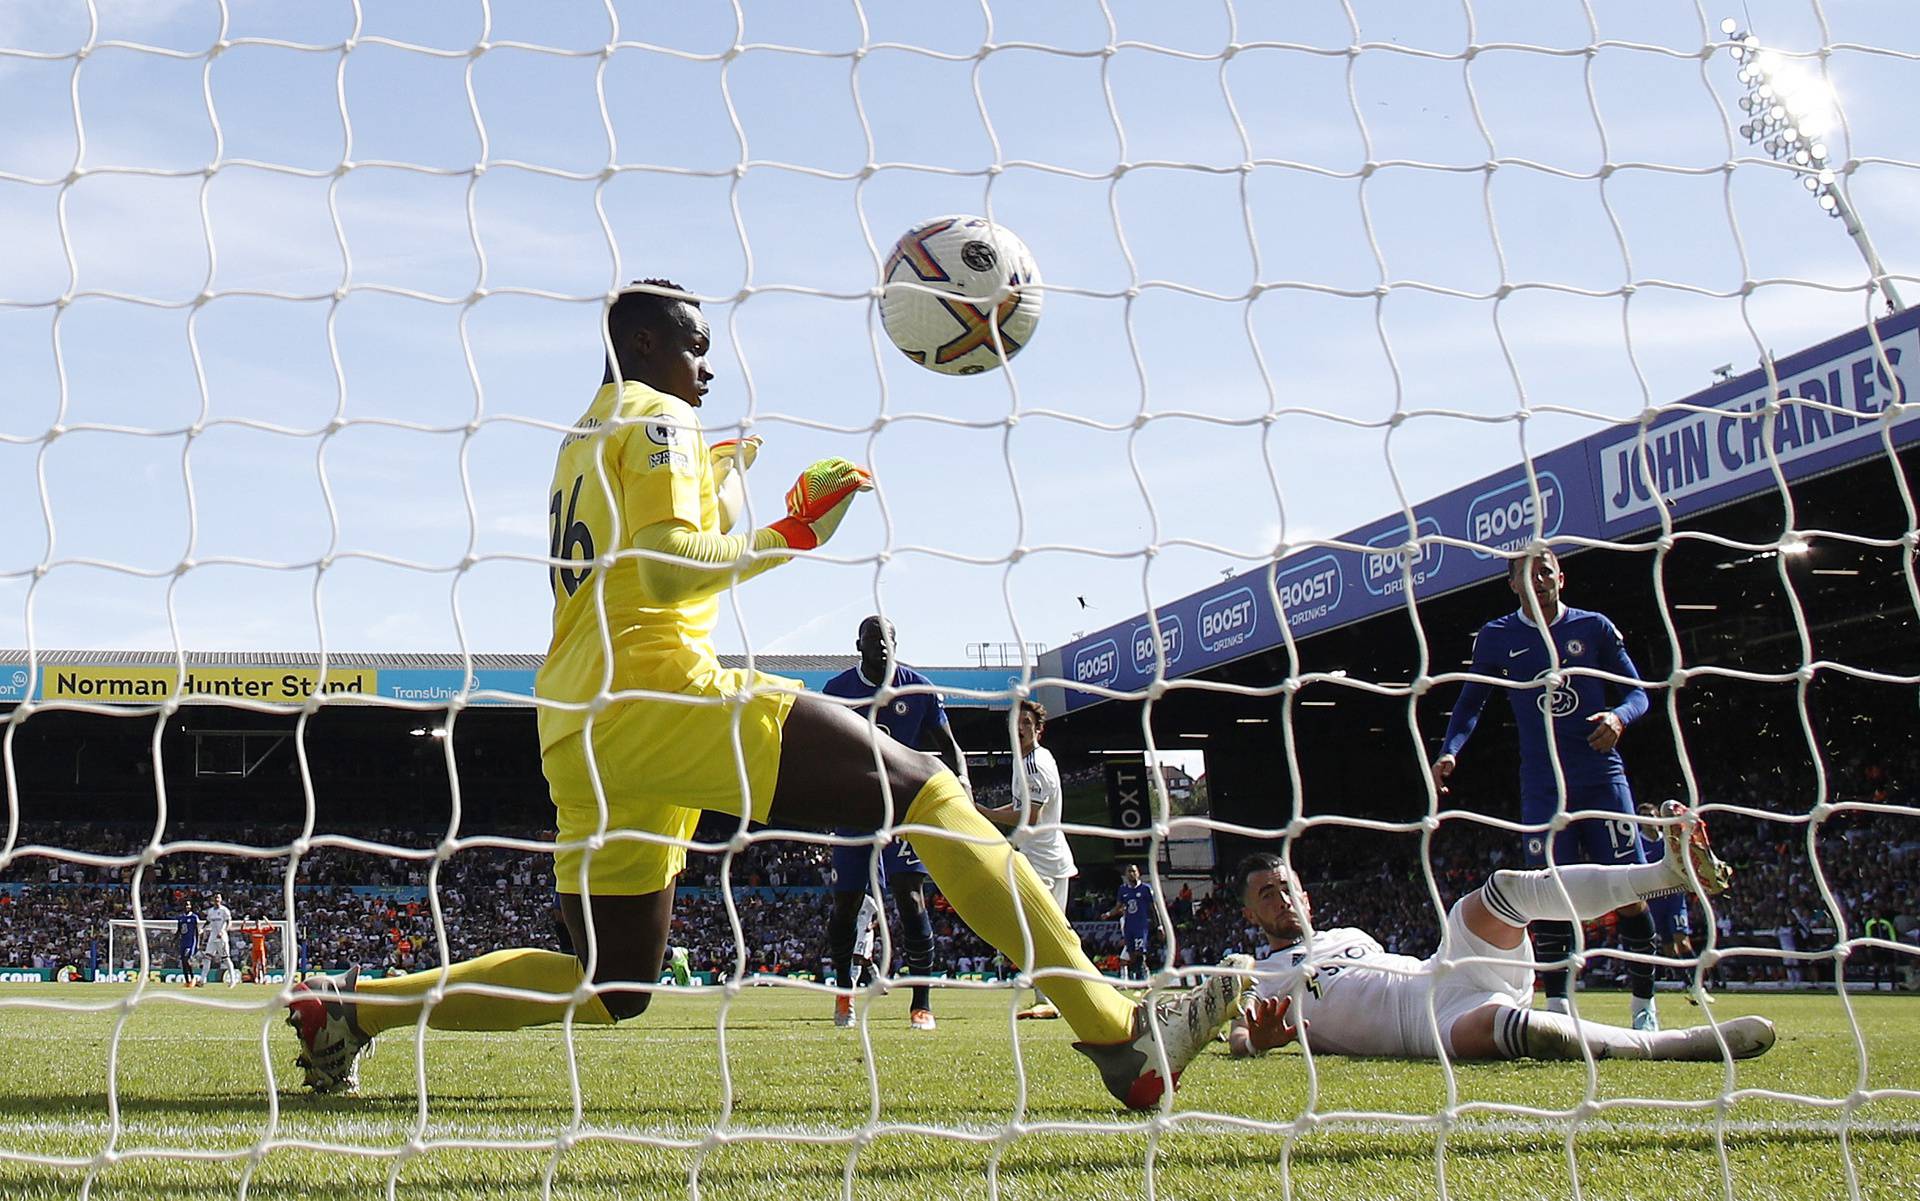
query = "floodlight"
x=1778 y=88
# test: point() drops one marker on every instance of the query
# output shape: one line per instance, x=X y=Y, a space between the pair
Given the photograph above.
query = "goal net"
x=1347 y=306
x=130 y=942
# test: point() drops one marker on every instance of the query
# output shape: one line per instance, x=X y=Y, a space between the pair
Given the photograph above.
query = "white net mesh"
x=297 y=302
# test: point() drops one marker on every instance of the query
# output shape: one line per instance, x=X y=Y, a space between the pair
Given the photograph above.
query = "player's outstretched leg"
x=1594 y=889
x=337 y=1017
x=335 y=1021
x=1538 y=1034
x=831 y=775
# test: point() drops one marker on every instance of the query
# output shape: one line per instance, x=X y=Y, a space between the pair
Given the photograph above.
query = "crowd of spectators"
x=375 y=907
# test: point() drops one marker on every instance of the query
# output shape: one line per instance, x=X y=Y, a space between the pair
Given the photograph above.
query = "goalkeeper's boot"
x=681 y=969
x=1687 y=843
x=842 y=1012
x=330 y=1034
x=1183 y=1024
x=922 y=1019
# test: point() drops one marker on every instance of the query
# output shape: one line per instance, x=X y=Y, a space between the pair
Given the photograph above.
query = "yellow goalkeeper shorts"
x=661 y=763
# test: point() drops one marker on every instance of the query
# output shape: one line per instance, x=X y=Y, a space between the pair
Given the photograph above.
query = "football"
x=959 y=295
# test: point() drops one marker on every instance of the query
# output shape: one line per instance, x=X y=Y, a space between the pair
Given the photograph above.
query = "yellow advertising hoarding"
x=151 y=685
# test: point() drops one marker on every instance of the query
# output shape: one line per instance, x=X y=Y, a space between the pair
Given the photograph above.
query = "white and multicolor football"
x=960 y=295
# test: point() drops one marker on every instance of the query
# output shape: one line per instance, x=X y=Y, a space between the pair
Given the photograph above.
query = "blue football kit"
x=1136 y=914
x=1513 y=647
x=907 y=718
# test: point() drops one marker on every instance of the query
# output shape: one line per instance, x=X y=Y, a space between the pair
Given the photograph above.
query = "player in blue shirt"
x=1133 y=905
x=918 y=720
x=186 y=928
x=1589 y=714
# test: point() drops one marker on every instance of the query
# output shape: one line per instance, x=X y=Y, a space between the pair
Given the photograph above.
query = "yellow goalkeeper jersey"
x=636 y=458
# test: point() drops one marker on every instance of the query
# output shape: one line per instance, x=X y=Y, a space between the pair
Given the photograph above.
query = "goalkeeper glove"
x=818 y=500
x=730 y=459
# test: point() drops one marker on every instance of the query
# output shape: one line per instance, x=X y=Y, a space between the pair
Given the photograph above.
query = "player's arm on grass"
x=1466 y=714
x=1264 y=1024
x=1609 y=726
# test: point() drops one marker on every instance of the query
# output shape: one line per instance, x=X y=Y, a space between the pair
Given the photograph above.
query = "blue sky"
x=419 y=461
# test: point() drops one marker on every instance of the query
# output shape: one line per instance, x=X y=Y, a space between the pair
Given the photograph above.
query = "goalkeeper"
x=641 y=729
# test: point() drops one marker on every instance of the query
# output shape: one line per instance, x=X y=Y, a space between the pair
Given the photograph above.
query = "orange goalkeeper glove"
x=818 y=500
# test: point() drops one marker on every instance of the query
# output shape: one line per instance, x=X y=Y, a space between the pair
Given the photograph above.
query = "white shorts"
x=1059 y=885
x=217 y=951
x=1501 y=975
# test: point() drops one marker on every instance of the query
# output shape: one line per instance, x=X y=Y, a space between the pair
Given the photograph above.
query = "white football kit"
x=1038 y=783
x=1362 y=999
x=213 y=946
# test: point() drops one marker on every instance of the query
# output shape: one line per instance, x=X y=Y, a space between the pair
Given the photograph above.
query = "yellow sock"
x=973 y=875
x=522 y=967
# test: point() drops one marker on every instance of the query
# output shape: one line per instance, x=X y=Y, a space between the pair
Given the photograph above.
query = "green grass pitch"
x=192 y=1078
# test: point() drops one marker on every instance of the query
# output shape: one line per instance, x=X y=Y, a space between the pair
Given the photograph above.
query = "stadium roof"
x=1835 y=407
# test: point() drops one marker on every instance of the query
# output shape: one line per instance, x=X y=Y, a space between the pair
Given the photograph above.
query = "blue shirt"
x=1136 y=907
x=906 y=717
x=1514 y=648
x=187 y=927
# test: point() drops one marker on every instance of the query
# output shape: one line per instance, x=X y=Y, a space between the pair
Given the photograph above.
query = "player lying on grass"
x=1354 y=998
x=641 y=729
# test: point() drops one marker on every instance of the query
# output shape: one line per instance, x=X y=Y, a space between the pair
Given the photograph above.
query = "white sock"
x=1538 y=1034
x=1596 y=889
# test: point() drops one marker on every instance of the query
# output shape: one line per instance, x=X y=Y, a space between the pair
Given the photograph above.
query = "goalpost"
x=123 y=946
x=311 y=283
x=163 y=946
